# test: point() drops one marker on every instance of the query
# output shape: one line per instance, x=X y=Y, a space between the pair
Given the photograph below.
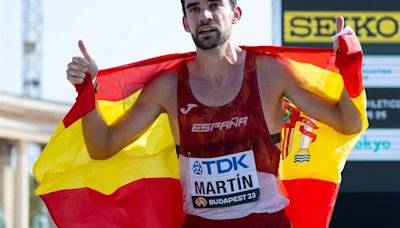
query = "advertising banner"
x=383 y=108
x=312 y=23
x=377 y=145
x=381 y=71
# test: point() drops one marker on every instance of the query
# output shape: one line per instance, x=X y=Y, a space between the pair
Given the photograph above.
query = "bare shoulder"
x=279 y=65
x=161 y=90
x=163 y=82
x=272 y=71
x=276 y=69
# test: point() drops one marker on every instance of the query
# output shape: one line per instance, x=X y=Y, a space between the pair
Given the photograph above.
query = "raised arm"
x=103 y=141
x=342 y=115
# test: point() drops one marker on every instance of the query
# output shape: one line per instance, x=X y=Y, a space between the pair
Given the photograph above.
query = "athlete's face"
x=210 y=21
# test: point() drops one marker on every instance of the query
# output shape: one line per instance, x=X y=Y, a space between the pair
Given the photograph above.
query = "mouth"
x=206 y=30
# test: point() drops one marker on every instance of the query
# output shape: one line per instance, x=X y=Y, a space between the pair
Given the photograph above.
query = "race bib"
x=224 y=181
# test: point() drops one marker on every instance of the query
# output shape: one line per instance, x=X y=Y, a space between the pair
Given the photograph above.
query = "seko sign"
x=312 y=23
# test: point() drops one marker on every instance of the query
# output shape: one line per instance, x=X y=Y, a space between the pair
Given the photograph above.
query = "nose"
x=206 y=15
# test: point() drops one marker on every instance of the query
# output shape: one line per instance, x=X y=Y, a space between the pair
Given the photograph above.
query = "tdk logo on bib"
x=221 y=165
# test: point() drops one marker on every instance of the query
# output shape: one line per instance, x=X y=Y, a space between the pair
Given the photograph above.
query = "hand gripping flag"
x=139 y=186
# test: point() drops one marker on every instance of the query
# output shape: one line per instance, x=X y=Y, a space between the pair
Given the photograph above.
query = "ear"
x=237 y=14
x=185 y=24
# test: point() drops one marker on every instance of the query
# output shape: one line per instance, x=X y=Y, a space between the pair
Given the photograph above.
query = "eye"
x=214 y=6
x=194 y=9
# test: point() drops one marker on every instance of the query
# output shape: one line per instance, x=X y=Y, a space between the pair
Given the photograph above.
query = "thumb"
x=83 y=50
x=339 y=24
x=339 y=28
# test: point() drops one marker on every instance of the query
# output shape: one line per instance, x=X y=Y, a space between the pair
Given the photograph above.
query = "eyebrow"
x=189 y=5
x=197 y=3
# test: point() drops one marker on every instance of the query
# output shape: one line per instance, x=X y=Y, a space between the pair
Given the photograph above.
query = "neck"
x=217 y=63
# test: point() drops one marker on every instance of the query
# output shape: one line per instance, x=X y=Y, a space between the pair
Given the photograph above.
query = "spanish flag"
x=139 y=186
x=313 y=154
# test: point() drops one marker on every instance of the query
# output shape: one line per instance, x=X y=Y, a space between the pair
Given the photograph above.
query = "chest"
x=216 y=94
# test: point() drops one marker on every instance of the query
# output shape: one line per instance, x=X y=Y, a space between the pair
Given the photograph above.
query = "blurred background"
x=39 y=37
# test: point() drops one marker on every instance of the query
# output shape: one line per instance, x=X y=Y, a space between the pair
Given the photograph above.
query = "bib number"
x=224 y=181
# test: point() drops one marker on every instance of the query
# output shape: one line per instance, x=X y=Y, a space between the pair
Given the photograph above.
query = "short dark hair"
x=232 y=2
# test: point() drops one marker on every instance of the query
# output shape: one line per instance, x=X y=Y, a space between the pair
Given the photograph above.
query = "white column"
x=6 y=183
x=22 y=187
x=5 y=159
x=8 y=194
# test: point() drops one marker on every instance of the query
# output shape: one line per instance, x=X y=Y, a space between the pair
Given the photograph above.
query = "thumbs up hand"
x=79 y=67
x=349 y=56
x=345 y=41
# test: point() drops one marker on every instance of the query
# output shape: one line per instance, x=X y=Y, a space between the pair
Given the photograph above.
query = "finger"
x=77 y=66
x=75 y=73
x=339 y=24
x=84 y=50
x=75 y=80
x=81 y=61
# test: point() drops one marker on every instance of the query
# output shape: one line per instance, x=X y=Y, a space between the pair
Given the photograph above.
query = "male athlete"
x=225 y=110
